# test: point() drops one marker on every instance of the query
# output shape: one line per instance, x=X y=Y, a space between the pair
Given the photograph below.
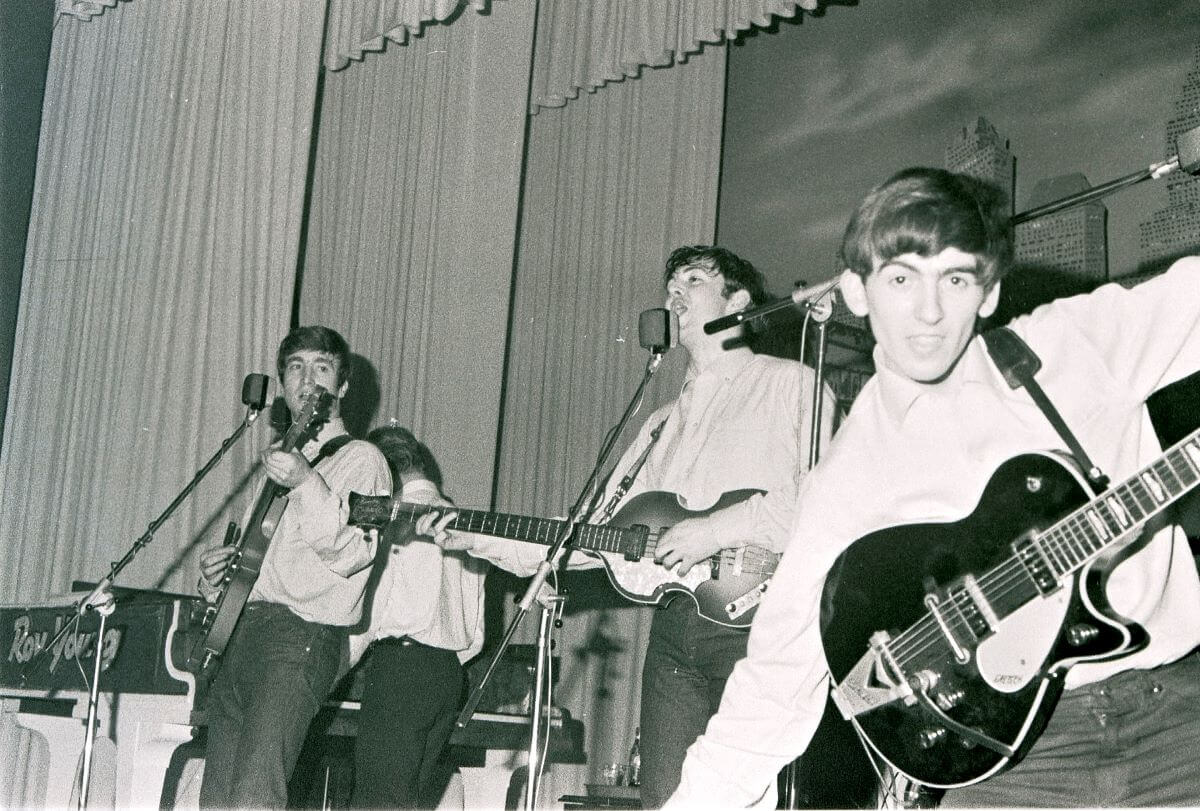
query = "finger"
x=445 y=520
x=454 y=541
x=425 y=522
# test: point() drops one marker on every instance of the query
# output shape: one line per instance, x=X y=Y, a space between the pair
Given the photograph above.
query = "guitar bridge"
x=873 y=682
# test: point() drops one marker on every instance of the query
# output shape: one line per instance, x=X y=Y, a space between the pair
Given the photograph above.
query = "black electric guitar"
x=221 y=617
x=947 y=643
x=726 y=589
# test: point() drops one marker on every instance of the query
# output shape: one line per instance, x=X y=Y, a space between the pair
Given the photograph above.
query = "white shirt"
x=316 y=565
x=424 y=592
x=742 y=423
x=915 y=453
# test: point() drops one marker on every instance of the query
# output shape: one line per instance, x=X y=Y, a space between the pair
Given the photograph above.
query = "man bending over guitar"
x=287 y=647
x=972 y=575
x=740 y=422
x=425 y=619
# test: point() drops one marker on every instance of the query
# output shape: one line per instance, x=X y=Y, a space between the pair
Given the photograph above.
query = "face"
x=923 y=309
x=306 y=368
x=696 y=294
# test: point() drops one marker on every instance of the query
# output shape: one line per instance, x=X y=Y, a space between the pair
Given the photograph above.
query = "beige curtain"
x=159 y=270
x=411 y=233
x=585 y=45
x=613 y=183
x=358 y=26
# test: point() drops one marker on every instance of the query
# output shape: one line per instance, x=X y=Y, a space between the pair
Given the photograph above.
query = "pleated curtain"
x=159 y=270
x=412 y=228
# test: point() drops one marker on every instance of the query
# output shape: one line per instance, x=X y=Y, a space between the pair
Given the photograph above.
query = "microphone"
x=807 y=297
x=254 y=391
x=658 y=329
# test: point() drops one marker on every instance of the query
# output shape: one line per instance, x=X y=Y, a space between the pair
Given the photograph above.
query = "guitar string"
x=754 y=562
x=1002 y=579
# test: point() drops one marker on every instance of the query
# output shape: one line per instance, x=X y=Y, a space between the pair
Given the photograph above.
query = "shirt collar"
x=900 y=393
x=418 y=490
x=725 y=367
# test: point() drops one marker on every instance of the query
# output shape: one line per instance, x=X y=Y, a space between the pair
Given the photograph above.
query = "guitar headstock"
x=313 y=412
x=369 y=512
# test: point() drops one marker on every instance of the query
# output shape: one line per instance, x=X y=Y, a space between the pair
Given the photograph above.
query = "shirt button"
x=1102 y=718
x=1103 y=691
x=1156 y=688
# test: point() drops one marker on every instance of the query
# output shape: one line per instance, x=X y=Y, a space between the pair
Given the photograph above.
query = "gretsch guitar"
x=221 y=617
x=948 y=643
x=726 y=588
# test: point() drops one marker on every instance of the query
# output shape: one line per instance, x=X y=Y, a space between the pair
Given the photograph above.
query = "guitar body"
x=221 y=618
x=1012 y=674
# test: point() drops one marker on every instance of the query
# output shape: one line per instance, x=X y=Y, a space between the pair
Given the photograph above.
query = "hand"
x=213 y=564
x=686 y=544
x=433 y=525
x=286 y=468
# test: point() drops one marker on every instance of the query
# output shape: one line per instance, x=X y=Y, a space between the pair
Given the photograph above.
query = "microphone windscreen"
x=254 y=391
x=654 y=329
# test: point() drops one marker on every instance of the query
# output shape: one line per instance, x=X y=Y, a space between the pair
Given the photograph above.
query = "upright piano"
x=146 y=695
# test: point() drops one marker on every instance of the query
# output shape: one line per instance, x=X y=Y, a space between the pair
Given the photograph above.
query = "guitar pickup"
x=633 y=550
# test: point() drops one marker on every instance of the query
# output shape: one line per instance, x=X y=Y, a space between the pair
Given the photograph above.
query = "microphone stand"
x=820 y=309
x=101 y=599
x=552 y=604
x=811 y=299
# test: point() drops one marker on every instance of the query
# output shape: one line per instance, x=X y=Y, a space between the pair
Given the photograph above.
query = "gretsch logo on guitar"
x=221 y=617
x=727 y=590
x=947 y=643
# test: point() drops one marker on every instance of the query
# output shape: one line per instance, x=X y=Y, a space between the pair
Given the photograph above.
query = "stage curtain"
x=160 y=267
x=358 y=26
x=613 y=182
x=585 y=45
x=412 y=230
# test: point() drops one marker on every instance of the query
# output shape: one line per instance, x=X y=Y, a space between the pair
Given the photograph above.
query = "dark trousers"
x=274 y=675
x=411 y=694
x=687 y=662
x=1130 y=740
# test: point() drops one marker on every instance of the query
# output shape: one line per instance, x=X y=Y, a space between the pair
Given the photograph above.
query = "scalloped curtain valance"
x=581 y=44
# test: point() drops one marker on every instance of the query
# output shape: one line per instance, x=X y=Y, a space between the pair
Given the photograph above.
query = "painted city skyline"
x=818 y=112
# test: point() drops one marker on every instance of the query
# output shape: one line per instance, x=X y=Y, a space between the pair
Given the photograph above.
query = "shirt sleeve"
x=774 y=698
x=1164 y=314
x=321 y=503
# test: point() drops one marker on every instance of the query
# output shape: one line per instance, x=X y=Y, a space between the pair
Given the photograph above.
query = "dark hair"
x=737 y=272
x=404 y=454
x=321 y=339
x=924 y=211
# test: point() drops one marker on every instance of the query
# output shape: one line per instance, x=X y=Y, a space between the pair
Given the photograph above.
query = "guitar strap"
x=1018 y=363
x=627 y=480
x=330 y=448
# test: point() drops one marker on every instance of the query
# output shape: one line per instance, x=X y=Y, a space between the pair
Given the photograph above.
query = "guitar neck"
x=544 y=531
x=1079 y=537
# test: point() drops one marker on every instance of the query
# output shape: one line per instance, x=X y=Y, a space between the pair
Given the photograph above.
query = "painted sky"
x=819 y=112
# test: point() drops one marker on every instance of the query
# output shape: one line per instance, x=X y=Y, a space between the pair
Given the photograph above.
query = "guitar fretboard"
x=1083 y=534
x=597 y=537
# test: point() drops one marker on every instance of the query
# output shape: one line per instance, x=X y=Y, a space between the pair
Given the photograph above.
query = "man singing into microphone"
x=289 y=642
x=741 y=421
